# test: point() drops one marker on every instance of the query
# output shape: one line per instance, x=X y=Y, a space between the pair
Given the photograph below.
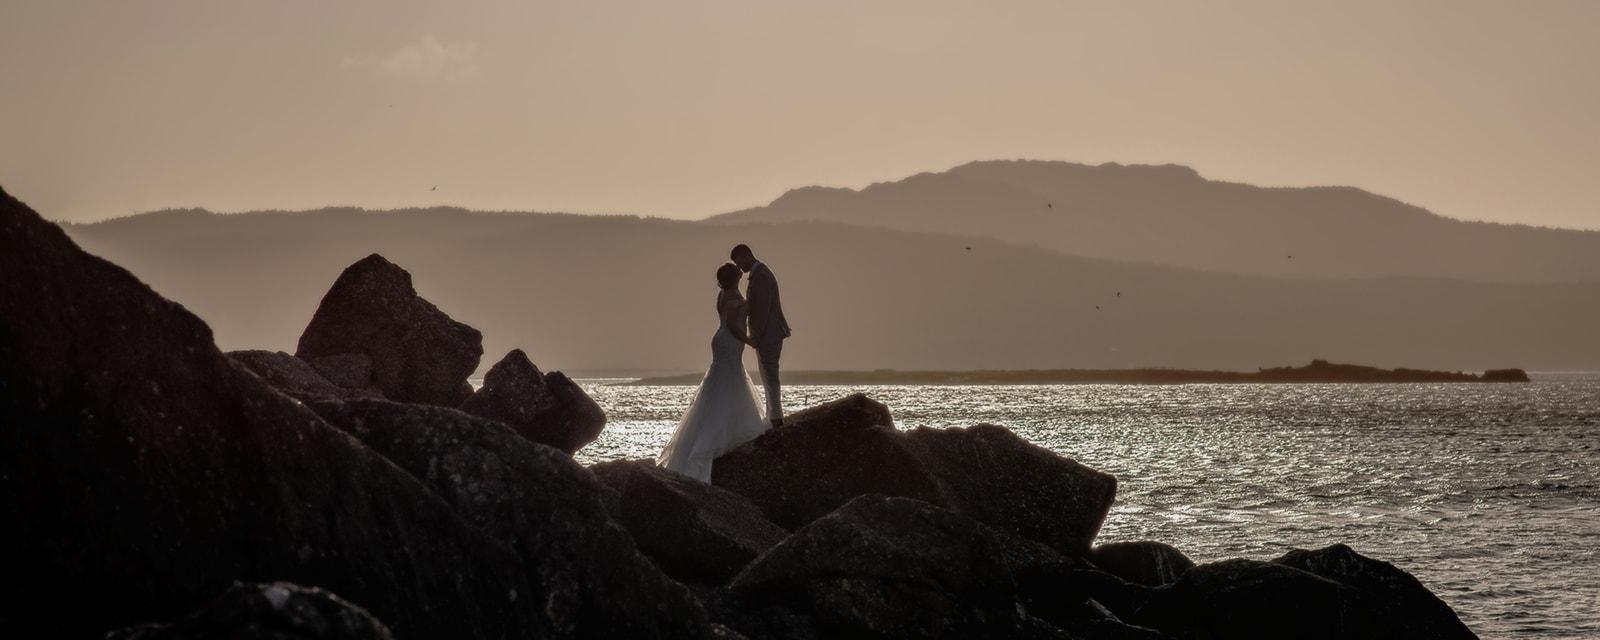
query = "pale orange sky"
x=1478 y=110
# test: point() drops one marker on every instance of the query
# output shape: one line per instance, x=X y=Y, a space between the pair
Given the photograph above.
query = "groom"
x=767 y=325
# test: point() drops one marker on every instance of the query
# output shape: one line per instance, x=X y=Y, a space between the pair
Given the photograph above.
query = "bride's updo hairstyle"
x=728 y=275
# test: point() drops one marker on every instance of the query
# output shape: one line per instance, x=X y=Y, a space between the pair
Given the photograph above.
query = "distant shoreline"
x=1319 y=371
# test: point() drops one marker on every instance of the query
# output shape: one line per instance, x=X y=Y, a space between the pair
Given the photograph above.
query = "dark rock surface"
x=348 y=370
x=290 y=375
x=1017 y=487
x=1384 y=581
x=418 y=353
x=276 y=611
x=1144 y=562
x=823 y=457
x=584 y=575
x=696 y=532
x=883 y=568
x=1254 y=599
x=142 y=472
x=545 y=408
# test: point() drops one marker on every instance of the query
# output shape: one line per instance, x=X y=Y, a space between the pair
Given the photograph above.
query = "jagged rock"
x=1384 y=581
x=885 y=568
x=584 y=574
x=348 y=370
x=696 y=532
x=1148 y=563
x=418 y=353
x=290 y=375
x=1017 y=487
x=1050 y=587
x=276 y=611
x=823 y=457
x=142 y=472
x=827 y=455
x=545 y=408
x=1254 y=599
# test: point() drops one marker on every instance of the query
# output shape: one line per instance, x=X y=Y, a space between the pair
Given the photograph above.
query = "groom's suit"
x=768 y=328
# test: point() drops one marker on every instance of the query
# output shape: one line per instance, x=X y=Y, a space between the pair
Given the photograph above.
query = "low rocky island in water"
x=1319 y=371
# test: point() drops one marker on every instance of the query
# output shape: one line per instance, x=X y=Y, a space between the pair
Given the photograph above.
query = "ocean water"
x=1490 y=494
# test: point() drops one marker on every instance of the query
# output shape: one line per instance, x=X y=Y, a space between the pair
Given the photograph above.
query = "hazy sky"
x=1481 y=110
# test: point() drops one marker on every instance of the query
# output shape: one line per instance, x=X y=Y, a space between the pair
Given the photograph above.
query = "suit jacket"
x=767 y=323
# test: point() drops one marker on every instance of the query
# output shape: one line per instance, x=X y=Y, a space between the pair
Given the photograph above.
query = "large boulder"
x=418 y=353
x=823 y=457
x=882 y=567
x=291 y=375
x=545 y=408
x=1143 y=562
x=584 y=574
x=1017 y=487
x=142 y=472
x=696 y=532
x=1385 y=581
x=1254 y=599
x=276 y=611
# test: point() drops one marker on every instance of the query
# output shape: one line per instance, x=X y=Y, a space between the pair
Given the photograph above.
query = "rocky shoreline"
x=360 y=489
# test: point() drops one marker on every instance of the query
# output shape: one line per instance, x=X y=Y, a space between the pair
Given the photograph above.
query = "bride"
x=723 y=413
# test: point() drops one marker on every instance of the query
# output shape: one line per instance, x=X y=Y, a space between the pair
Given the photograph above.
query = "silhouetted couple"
x=724 y=413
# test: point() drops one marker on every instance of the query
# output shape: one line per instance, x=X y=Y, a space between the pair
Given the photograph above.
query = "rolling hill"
x=1171 y=215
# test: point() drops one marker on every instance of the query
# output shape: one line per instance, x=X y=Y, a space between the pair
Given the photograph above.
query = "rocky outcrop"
x=696 y=532
x=883 y=568
x=142 y=472
x=545 y=408
x=1017 y=487
x=583 y=574
x=292 y=375
x=1144 y=562
x=823 y=457
x=418 y=353
x=1425 y=612
x=275 y=611
x=1255 y=599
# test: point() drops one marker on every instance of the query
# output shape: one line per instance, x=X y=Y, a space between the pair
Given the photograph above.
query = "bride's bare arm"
x=732 y=313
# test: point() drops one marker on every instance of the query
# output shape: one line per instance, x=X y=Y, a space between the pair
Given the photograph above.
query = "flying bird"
x=1050 y=205
x=969 y=248
x=435 y=188
x=1119 y=294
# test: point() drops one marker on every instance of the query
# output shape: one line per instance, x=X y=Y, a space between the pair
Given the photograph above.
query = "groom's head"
x=744 y=257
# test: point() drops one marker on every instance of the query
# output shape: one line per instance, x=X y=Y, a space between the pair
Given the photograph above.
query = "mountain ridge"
x=1170 y=214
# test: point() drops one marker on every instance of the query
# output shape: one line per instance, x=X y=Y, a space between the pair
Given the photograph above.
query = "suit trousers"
x=767 y=356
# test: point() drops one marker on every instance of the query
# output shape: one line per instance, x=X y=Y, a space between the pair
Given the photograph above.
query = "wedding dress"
x=723 y=413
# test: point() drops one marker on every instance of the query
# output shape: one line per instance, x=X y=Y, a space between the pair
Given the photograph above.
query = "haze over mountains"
x=1171 y=215
x=620 y=293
